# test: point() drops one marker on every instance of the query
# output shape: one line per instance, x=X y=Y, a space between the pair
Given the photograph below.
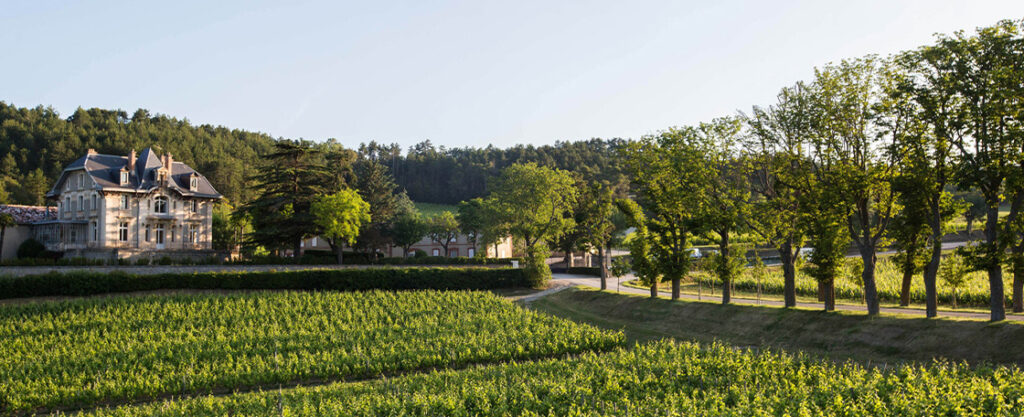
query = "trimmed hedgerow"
x=355 y=279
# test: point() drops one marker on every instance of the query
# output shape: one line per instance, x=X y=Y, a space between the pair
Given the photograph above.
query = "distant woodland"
x=36 y=143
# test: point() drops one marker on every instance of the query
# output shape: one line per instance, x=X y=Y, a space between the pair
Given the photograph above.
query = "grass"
x=836 y=335
x=431 y=209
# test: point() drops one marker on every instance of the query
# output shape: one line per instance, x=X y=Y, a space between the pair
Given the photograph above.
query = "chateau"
x=111 y=206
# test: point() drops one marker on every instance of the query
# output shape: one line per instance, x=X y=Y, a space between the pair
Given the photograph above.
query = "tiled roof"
x=105 y=170
x=28 y=214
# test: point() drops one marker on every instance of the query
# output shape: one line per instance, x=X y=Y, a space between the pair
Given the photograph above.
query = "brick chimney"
x=168 y=161
x=131 y=160
x=91 y=151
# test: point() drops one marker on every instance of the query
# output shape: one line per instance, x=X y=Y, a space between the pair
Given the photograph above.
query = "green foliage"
x=407 y=229
x=443 y=229
x=531 y=202
x=378 y=189
x=953 y=272
x=340 y=216
x=656 y=379
x=356 y=279
x=30 y=248
x=89 y=351
x=641 y=260
x=536 y=268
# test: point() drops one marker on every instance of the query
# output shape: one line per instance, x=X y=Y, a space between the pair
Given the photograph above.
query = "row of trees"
x=865 y=154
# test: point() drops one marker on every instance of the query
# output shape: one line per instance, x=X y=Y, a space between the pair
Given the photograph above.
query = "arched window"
x=160 y=205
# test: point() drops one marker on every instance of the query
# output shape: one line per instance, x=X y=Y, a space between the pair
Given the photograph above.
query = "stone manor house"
x=134 y=206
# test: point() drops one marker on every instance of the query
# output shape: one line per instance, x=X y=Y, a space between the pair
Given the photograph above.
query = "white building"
x=111 y=206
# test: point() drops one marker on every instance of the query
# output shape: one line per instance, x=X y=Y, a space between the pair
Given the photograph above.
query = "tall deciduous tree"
x=532 y=203
x=473 y=221
x=443 y=229
x=727 y=194
x=339 y=217
x=988 y=73
x=408 y=229
x=777 y=168
x=641 y=256
x=670 y=174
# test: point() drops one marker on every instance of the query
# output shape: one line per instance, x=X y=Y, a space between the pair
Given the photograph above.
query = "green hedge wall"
x=362 y=279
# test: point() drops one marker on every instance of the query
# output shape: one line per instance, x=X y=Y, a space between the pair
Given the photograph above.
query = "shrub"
x=536 y=268
x=30 y=248
x=90 y=283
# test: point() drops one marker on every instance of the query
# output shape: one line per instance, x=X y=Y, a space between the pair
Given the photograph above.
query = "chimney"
x=131 y=160
x=91 y=151
x=170 y=161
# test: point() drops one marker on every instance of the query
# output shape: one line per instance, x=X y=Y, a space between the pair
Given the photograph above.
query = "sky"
x=459 y=73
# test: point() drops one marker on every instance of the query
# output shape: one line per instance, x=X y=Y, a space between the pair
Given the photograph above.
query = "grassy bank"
x=878 y=340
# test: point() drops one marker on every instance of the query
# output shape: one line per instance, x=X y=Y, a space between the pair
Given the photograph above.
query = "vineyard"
x=661 y=378
x=73 y=354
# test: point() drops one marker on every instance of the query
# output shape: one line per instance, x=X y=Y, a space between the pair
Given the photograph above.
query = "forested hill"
x=449 y=175
x=36 y=143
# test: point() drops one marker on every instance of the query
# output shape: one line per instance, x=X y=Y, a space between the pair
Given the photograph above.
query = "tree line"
x=866 y=154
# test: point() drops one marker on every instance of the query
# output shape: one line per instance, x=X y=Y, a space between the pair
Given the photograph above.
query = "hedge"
x=92 y=283
x=308 y=259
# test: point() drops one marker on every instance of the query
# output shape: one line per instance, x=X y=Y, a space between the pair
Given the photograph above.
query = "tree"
x=954 y=272
x=778 y=171
x=408 y=229
x=987 y=78
x=727 y=194
x=641 y=256
x=826 y=230
x=596 y=219
x=532 y=203
x=443 y=229
x=6 y=220
x=670 y=174
x=975 y=210
x=851 y=128
x=290 y=180
x=377 y=188
x=339 y=217
x=473 y=220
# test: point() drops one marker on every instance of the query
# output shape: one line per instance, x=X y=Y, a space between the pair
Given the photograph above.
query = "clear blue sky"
x=458 y=73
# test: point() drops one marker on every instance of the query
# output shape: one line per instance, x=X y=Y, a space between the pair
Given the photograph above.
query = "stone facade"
x=130 y=207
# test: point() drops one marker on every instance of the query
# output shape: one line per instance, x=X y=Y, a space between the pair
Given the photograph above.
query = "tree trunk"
x=3 y=230
x=908 y=275
x=654 y=290
x=829 y=290
x=868 y=276
x=604 y=271
x=821 y=291
x=995 y=271
x=338 y=252
x=569 y=259
x=724 y=272
x=970 y=224
x=297 y=249
x=788 y=273
x=1018 y=277
x=675 y=288
x=931 y=270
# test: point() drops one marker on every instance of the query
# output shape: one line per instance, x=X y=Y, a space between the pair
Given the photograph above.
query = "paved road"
x=589 y=281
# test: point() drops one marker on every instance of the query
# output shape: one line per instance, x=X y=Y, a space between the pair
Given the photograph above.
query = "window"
x=453 y=253
x=74 y=235
x=172 y=233
x=193 y=183
x=122 y=232
x=313 y=244
x=192 y=206
x=81 y=206
x=147 y=233
x=95 y=231
x=124 y=202
x=471 y=252
x=436 y=252
x=161 y=177
x=174 y=204
x=192 y=234
x=67 y=204
x=160 y=205
x=124 y=177
x=95 y=202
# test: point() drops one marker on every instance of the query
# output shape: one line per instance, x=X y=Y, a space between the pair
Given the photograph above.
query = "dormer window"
x=124 y=177
x=193 y=184
x=161 y=176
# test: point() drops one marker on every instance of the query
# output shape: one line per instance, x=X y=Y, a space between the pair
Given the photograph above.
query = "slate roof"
x=28 y=214
x=105 y=170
